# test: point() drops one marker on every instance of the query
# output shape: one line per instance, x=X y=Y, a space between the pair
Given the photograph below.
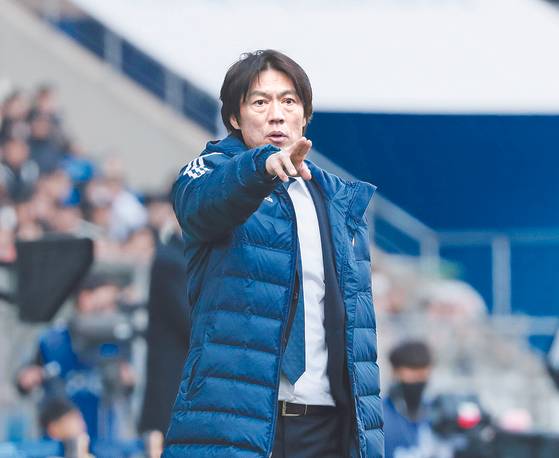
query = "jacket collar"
x=230 y=145
x=347 y=197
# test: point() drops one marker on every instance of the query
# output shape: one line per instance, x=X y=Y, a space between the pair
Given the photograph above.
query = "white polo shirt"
x=313 y=387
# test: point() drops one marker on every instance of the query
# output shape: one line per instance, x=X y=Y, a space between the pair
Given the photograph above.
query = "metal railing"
x=429 y=243
x=180 y=94
x=501 y=245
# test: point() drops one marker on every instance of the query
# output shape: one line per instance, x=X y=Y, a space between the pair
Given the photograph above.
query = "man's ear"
x=234 y=122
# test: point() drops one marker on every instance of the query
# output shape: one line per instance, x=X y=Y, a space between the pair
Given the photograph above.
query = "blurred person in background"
x=60 y=189
x=127 y=213
x=405 y=412
x=96 y=202
x=45 y=106
x=68 y=220
x=56 y=186
x=270 y=371
x=453 y=301
x=60 y=420
x=18 y=171
x=63 y=427
x=77 y=166
x=15 y=110
x=61 y=368
x=168 y=332
x=160 y=213
x=46 y=149
x=45 y=102
x=7 y=245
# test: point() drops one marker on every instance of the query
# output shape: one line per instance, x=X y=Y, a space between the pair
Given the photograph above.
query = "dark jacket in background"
x=167 y=336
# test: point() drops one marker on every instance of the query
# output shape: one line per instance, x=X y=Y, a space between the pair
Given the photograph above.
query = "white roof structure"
x=481 y=56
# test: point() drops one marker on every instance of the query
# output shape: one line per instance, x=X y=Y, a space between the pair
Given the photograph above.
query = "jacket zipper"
x=291 y=313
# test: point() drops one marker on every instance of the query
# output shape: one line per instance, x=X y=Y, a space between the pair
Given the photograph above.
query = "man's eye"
x=289 y=101
x=259 y=102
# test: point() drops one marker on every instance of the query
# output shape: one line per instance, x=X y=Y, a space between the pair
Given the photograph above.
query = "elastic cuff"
x=260 y=157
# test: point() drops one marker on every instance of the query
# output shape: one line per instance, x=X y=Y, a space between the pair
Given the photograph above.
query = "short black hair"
x=52 y=409
x=412 y=353
x=242 y=74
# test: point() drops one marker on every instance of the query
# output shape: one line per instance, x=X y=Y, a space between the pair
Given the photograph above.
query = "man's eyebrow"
x=267 y=94
x=258 y=93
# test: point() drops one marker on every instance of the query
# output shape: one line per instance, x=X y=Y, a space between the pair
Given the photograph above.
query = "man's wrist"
x=260 y=159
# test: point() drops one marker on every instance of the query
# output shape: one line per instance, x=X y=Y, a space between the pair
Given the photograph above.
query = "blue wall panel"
x=452 y=171
x=462 y=172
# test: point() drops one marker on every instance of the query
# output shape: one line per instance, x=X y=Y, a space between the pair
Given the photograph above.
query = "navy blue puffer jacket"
x=240 y=230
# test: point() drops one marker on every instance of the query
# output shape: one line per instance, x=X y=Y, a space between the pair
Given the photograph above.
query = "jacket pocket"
x=189 y=372
x=358 y=235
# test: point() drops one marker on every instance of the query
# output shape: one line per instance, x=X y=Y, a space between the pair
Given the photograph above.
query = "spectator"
x=15 y=110
x=404 y=408
x=49 y=185
x=127 y=213
x=168 y=333
x=46 y=102
x=61 y=420
x=453 y=301
x=78 y=167
x=68 y=220
x=160 y=212
x=57 y=186
x=18 y=171
x=45 y=148
x=7 y=246
x=63 y=367
x=139 y=247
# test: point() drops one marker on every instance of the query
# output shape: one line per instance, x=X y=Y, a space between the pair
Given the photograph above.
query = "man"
x=68 y=364
x=18 y=172
x=63 y=428
x=282 y=358
x=167 y=334
x=404 y=409
x=61 y=420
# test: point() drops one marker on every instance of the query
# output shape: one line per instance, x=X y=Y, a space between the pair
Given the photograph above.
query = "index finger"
x=300 y=149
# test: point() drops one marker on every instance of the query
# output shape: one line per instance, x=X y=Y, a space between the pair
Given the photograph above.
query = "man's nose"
x=276 y=112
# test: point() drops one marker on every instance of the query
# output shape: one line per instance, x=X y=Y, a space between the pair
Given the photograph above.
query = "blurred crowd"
x=78 y=377
x=434 y=333
x=438 y=342
x=49 y=185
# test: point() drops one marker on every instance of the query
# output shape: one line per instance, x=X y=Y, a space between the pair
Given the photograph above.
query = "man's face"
x=271 y=113
x=67 y=427
x=102 y=299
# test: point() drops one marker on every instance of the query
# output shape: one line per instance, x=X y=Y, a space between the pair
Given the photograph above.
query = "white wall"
x=105 y=111
x=377 y=55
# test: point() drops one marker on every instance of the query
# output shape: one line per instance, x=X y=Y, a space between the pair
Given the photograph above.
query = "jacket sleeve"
x=214 y=193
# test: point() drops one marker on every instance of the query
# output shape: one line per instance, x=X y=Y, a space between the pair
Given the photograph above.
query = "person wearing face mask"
x=404 y=406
